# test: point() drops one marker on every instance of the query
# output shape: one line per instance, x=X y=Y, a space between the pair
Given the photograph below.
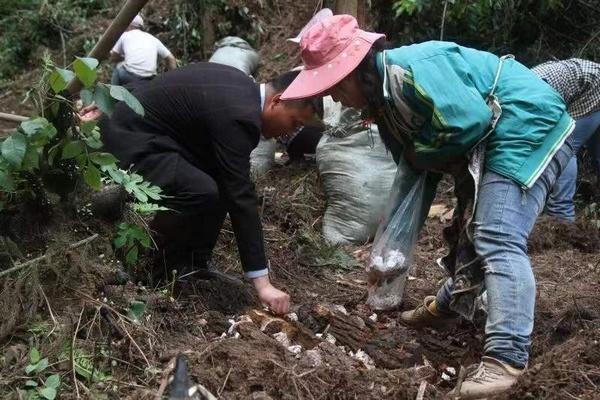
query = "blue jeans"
x=503 y=220
x=560 y=202
x=122 y=77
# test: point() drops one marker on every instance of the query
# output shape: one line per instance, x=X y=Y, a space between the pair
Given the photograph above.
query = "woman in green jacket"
x=436 y=105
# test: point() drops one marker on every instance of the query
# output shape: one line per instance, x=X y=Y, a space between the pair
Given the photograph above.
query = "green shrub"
x=27 y=24
x=533 y=30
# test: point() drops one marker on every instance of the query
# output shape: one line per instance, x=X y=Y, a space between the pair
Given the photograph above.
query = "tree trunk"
x=346 y=7
x=356 y=8
x=208 y=34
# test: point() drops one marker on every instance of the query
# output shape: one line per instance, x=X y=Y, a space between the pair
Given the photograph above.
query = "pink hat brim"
x=316 y=81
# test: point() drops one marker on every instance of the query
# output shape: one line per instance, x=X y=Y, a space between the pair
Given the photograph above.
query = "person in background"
x=435 y=104
x=137 y=53
x=201 y=123
x=578 y=82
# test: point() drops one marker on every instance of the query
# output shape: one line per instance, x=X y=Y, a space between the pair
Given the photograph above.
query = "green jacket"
x=437 y=94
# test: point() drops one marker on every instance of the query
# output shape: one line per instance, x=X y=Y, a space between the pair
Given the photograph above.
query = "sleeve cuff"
x=257 y=273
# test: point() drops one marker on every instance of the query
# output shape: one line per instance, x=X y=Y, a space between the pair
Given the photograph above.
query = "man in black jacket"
x=201 y=123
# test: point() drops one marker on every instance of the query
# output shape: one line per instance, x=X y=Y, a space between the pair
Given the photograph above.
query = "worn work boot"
x=489 y=378
x=427 y=315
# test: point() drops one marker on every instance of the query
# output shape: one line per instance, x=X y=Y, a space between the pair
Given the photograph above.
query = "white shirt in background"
x=140 y=51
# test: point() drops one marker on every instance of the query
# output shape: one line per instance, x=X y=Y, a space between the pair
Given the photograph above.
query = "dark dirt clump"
x=554 y=233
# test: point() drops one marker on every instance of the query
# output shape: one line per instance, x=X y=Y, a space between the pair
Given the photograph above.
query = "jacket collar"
x=381 y=65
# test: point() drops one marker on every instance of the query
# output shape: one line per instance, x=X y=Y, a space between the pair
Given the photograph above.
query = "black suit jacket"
x=211 y=115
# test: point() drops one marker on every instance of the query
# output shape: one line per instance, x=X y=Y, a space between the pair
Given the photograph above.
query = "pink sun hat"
x=330 y=51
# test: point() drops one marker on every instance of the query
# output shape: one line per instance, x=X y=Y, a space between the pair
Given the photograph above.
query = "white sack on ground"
x=357 y=174
x=263 y=157
x=237 y=53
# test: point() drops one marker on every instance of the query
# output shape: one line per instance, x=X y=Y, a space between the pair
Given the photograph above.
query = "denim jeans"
x=122 y=77
x=560 y=201
x=503 y=220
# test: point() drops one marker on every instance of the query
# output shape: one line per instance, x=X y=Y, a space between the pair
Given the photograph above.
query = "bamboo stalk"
x=111 y=35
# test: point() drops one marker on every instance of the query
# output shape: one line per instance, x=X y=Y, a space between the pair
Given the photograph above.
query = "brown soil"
x=73 y=300
x=554 y=233
x=254 y=364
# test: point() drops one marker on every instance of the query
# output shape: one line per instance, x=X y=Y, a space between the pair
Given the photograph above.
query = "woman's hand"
x=275 y=299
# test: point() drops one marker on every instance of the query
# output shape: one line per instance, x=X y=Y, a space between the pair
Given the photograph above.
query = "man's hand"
x=89 y=113
x=275 y=299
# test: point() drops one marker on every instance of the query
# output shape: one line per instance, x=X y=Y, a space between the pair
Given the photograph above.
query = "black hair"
x=281 y=82
x=371 y=84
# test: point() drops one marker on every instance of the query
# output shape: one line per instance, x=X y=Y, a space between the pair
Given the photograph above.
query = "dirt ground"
x=217 y=327
x=73 y=309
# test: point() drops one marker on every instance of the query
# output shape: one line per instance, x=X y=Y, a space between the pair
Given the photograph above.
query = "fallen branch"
x=73 y=352
x=47 y=255
x=203 y=391
x=165 y=379
x=12 y=117
x=54 y=321
x=224 y=382
x=135 y=345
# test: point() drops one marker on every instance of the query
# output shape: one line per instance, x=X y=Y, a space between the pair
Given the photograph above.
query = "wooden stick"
x=224 y=382
x=111 y=35
x=165 y=380
x=203 y=391
x=73 y=352
x=135 y=345
x=43 y=257
x=12 y=117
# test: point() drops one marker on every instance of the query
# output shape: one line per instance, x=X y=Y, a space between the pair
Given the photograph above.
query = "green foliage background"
x=27 y=24
x=69 y=27
x=533 y=30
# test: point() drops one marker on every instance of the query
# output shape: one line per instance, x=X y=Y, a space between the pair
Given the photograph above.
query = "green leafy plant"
x=50 y=153
x=130 y=239
x=36 y=364
x=136 y=311
x=83 y=364
x=533 y=30
x=39 y=386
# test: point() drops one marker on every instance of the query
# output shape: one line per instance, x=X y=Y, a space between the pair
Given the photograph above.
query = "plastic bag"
x=237 y=53
x=395 y=240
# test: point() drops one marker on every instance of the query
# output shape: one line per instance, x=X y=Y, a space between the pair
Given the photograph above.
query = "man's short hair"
x=281 y=82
